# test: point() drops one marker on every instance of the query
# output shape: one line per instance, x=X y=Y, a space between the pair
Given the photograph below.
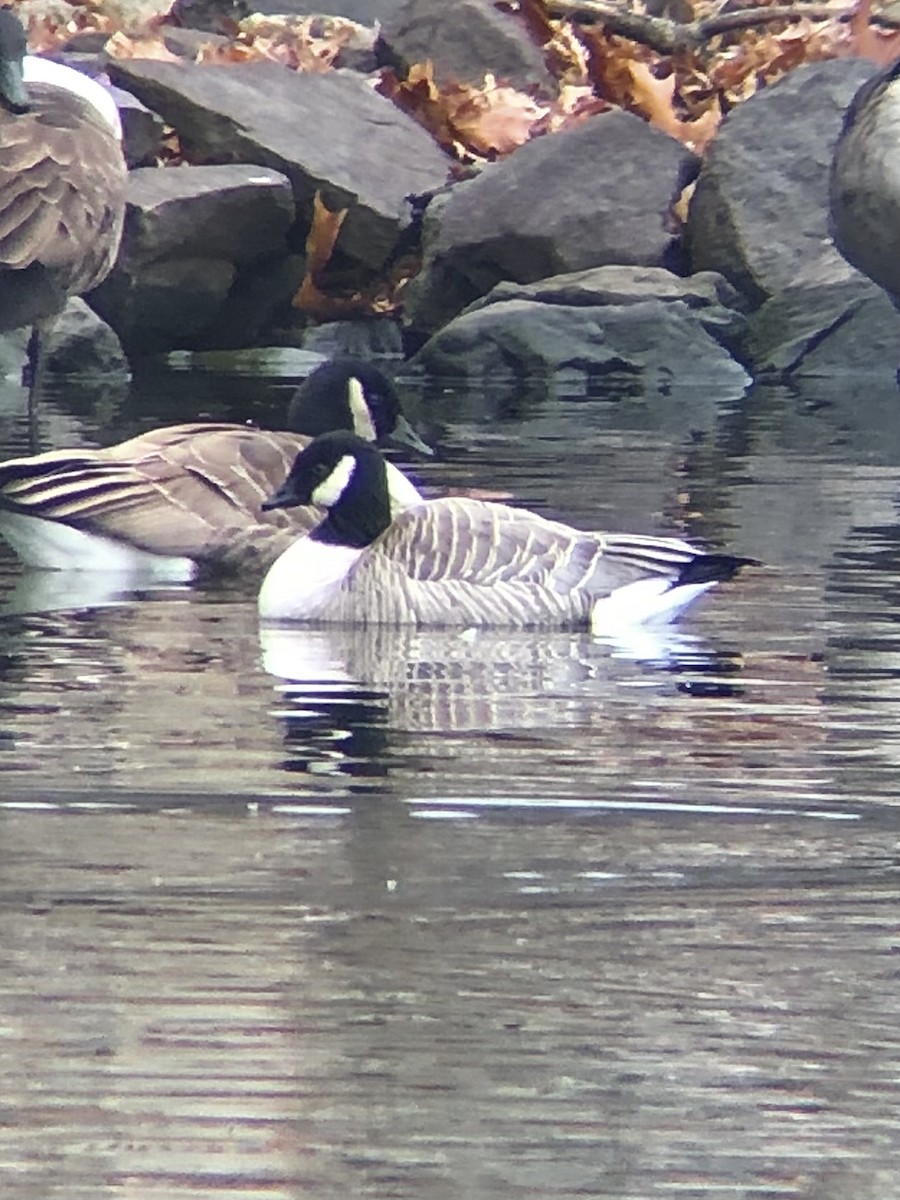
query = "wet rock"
x=13 y=349
x=378 y=338
x=823 y=331
x=663 y=343
x=196 y=241
x=78 y=342
x=708 y=296
x=463 y=41
x=328 y=133
x=551 y=207
x=759 y=212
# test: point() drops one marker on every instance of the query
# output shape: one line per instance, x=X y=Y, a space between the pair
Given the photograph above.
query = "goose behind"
x=864 y=199
x=173 y=501
x=62 y=182
x=462 y=562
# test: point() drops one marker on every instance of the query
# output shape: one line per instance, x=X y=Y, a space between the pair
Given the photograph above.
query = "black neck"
x=363 y=512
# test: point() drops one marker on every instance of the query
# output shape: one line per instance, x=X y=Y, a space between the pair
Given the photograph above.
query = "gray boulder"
x=709 y=297
x=593 y=195
x=823 y=331
x=463 y=41
x=328 y=133
x=759 y=211
x=660 y=343
x=78 y=342
x=197 y=242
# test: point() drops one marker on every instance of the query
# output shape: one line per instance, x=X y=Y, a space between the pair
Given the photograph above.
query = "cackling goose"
x=173 y=500
x=462 y=562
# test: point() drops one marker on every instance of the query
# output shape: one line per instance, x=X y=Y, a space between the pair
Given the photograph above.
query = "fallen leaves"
x=485 y=122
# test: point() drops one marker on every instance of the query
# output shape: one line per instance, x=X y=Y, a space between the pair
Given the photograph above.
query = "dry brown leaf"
x=682 y=205
x=122 y=46
x=655 y=98
x=573 y=105
x=467 y=121
x=494 y=120
x=566 y=55
x=320 y=242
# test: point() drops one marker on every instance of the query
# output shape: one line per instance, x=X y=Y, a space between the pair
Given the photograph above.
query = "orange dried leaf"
x=320 y=243
x=122 y=46
x=654 y=97
x=495 y=120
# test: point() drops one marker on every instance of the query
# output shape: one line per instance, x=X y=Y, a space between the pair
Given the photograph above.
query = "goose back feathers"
x=462 y=562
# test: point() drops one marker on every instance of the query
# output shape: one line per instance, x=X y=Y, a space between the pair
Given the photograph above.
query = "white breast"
x=302 y=581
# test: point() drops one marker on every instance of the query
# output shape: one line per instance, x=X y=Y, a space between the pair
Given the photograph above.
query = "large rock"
x=196 y=241
x=823 y=331
x=709 y=297
x=661 y=343
x=78 y=342
x=759 y=211
x=596 y=194
x=330 y=133
x=464 y=41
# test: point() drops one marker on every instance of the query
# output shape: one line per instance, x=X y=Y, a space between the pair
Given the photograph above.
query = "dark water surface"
x=381 y=914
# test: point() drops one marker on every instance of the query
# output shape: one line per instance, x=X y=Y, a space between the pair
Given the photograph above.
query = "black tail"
x=712 y=568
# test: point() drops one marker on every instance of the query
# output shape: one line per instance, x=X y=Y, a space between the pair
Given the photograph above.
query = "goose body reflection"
x=462 y=562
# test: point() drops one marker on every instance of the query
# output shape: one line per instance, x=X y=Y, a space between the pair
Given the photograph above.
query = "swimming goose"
x=173 y=500
x=462 y=562
x=865 y=184
x=62 y=182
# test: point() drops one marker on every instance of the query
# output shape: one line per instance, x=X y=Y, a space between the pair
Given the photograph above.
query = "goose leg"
x=32 y=377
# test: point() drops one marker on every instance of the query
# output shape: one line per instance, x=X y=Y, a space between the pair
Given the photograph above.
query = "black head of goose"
x=62 y=182
x=864 y=200
x=177 y=499
x=462 y=562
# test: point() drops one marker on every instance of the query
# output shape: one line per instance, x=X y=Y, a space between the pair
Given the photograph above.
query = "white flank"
x=300 y=582
x=53 y=546
x=363 y=425
x=331 y=489
x=644 y=601
x=42 y=70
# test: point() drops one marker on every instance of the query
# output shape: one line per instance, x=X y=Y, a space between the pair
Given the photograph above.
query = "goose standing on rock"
x=172 y=501
x=462 y=562
x=62 y=184
x=865 y=182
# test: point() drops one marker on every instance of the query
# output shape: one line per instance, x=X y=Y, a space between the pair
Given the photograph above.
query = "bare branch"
x=667 y=36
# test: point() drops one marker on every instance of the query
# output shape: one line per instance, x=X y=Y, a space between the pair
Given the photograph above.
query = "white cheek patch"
x=363 y=425
x=330 y=490
x=42 y=70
